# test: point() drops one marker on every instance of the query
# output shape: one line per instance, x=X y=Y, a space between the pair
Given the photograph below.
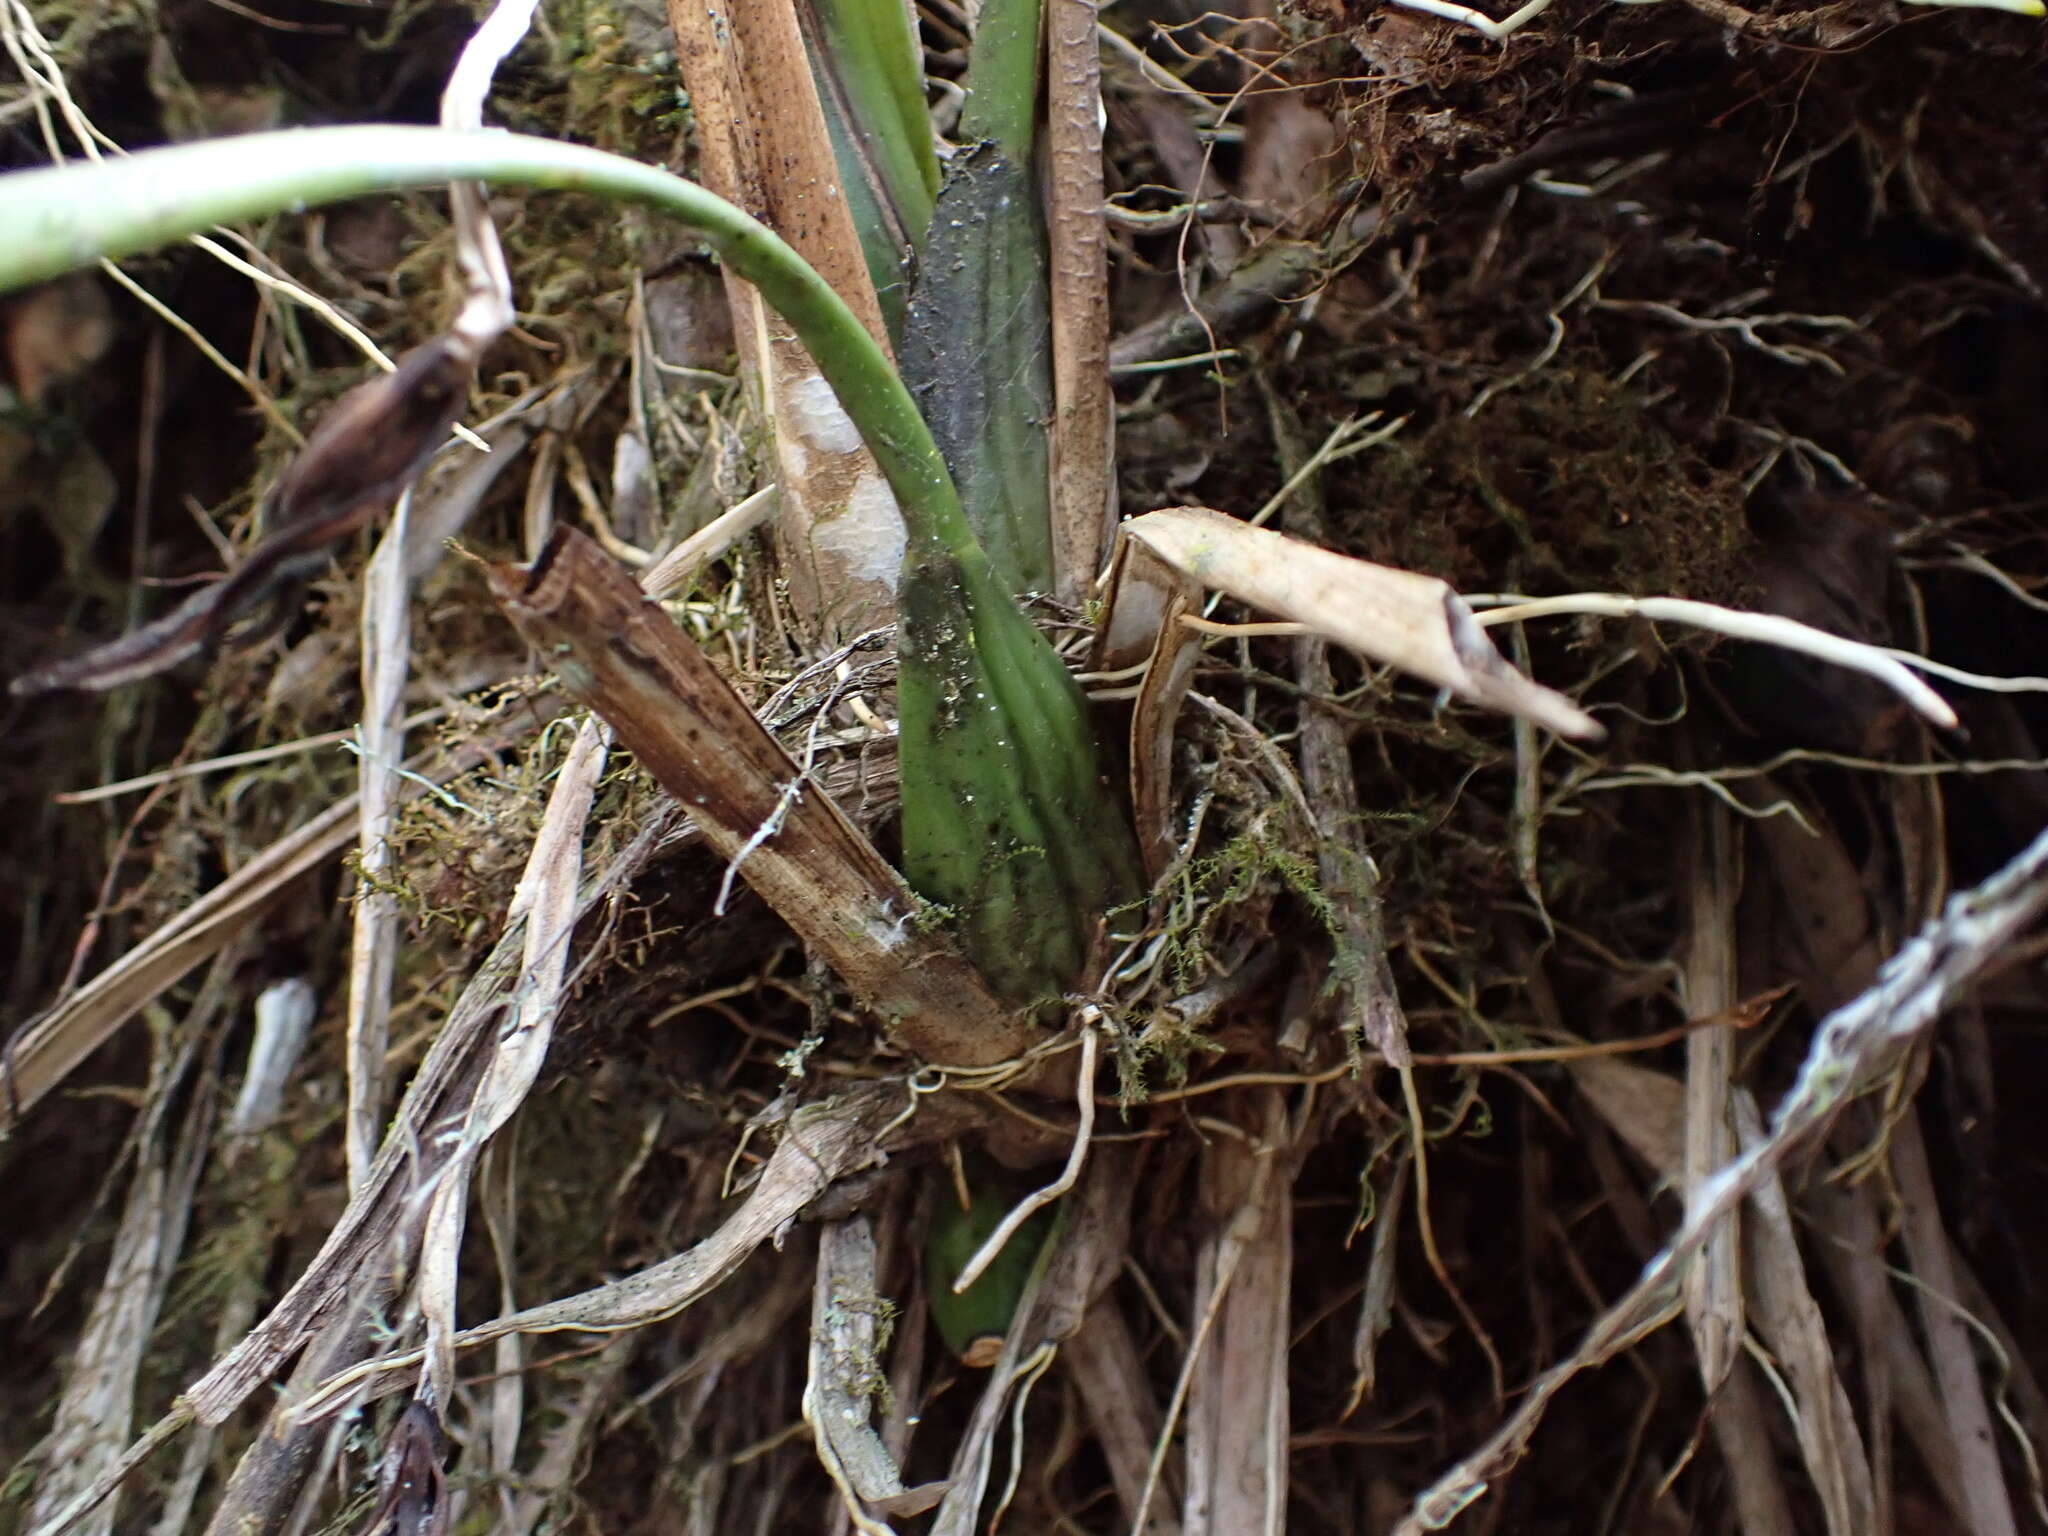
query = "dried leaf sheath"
x=621 y=654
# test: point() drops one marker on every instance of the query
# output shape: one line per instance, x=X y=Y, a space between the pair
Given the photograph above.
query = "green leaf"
x=1008 y=819
x=977 y=354
x=870 y=75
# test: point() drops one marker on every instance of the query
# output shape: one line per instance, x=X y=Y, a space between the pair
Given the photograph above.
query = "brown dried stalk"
x=626 y=658
x=762 y=143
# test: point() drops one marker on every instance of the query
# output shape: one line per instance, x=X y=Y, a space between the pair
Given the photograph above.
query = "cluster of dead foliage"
x=1456 y=1134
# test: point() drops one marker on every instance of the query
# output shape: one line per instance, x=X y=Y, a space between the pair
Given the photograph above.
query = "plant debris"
x=1497 y=1127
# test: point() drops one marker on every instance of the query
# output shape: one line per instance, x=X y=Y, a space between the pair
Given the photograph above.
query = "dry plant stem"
x=1949 y=1343
x=1220 y=1270
x=270 y=1483
x=565 y=1447
x=2019 y=1393
x=1083 y=426
x=1896 y=1377
x=373 y=945
x=437 y=1093
x=46 y=1049
x=763 y=144
x=222 y=764
x=1741 y=1424
x=1713 y=1285
x=1237 y=1410
x=1110 y=1375
x=1024 y=1355
x=1911 y=991
x=680 y=566
x=97 y=1403
x=1785 y=1313
x=1648 y=1110
x=627 y=659
x=1366 y=999
x=1376 y=1306
x=284 y=1019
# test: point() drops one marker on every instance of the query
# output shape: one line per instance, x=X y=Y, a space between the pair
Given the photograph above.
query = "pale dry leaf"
x=546 y=902
x=1415 y=623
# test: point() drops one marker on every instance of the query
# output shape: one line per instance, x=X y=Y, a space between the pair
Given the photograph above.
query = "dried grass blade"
x=373 y=941
x=1713 y=1285
x=1023 y=1356
x=1237 y=1411
x=823 y=1143
x=1644 y=1107
x=546 y=902
x=46 y=1049
x=1416 y=623
x=1896 y=1379
x=438 y=1089
x=1949 y=1344
x=284 y=1018
x=97 y=1403
x=1220 y=1267
x=565 y=1448
x=1789 y=1319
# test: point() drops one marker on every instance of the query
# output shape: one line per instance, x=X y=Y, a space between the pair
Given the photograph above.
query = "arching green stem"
x=69 y=216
